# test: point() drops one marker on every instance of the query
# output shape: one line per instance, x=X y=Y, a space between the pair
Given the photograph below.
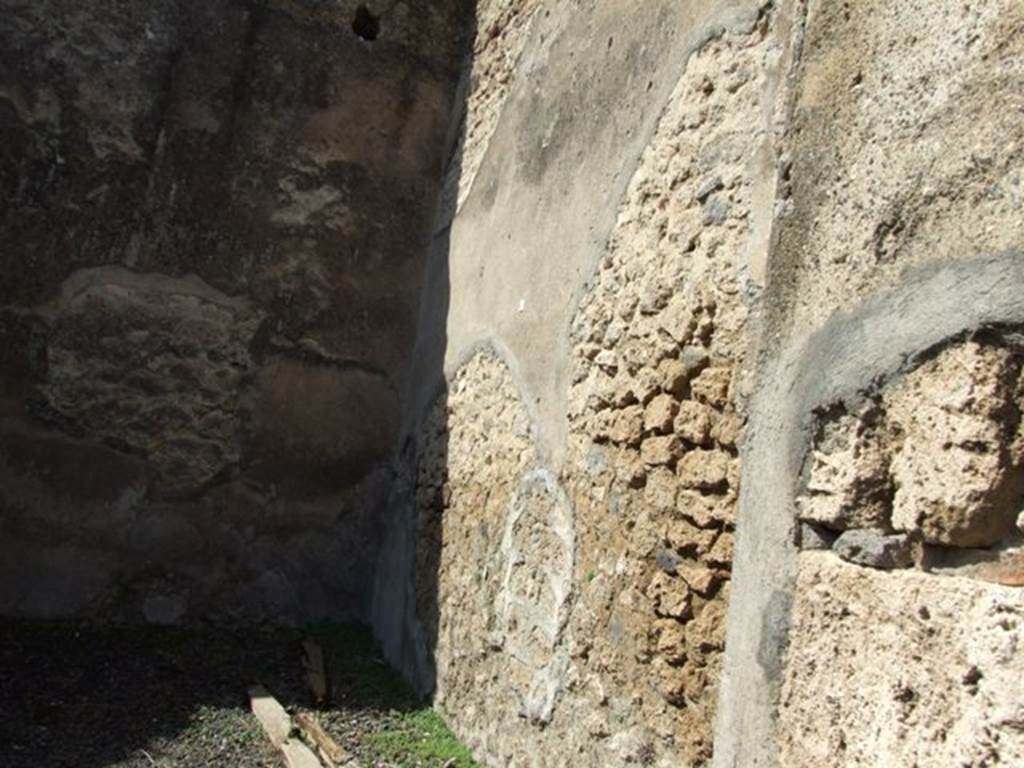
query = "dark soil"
x=110 y=697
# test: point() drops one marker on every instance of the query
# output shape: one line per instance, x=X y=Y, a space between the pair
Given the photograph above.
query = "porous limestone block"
x=887 y=669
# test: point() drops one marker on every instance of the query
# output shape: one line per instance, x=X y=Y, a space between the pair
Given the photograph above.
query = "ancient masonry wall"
x=574 y=611
x=730 y=484
x=886 y=409
x=662 y=367
x=214 y=216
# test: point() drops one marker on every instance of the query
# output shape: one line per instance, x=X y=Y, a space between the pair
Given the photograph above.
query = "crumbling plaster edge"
x=879 y=339
x=740 y=17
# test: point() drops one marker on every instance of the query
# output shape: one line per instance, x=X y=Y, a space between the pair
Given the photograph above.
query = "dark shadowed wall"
x=213 y=218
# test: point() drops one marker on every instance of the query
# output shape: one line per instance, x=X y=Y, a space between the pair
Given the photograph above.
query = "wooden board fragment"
x=298 y=755
x=331 y=753
x=272 y=716
x=278 y=726
x=316 y=673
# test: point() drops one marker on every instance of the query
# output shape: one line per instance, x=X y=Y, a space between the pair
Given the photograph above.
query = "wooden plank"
x=316 y=672
x=331 y=753
x=298 y=755
x=272 y=716
x=278 y=726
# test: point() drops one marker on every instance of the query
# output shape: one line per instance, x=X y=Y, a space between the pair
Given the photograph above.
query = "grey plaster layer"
x=590 y=86
x=849 y=354
x=508 y=271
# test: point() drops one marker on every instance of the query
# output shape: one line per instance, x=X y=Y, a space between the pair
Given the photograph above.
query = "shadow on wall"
x=213 y=261
x=405 y=607
x=282 y=299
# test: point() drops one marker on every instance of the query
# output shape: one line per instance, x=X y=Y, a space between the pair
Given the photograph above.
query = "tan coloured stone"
x=671 y=682
x=706 y=511
x=727 y=428
x=670 y=595
x=660 y=450
x=957 y=479
x=733 y=474
x=693 y=422
x=848 y=482
x=646 y=385
x=706 y=632
x=674 y=377
x=677 y=320
x=660 y=490
x=602 y=423
x=721 y=553
x=688 y=539
x=597 y=725
x=680 y=683
x=623 y=390
x=701 y=579
x=671 y=643
x=608 y=361
x=659 y=414
x=631 y=470
x=694 y=680
x=627 y=426
x=712 y=386
x=705 y=470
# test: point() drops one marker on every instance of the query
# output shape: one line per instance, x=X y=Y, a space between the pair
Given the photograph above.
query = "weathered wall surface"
x=937 y=683
x=573 y=480
x=884 y=421
x=722 y=282
x=214 y=217
x=702 y=366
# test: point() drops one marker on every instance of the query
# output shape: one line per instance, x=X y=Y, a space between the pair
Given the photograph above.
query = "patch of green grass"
x=410 y=734
x=421 y=738
x=354 y=657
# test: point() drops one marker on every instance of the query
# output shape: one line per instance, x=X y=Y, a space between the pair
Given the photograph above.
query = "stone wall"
x=570 y=499
x=661 y=364
x=726 y=456
x=215 y=217
x=884 y=420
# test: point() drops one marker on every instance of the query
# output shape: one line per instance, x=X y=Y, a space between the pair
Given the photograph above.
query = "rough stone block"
x=900 y=668
x=959 y=472
x=670 y=596
x=704 y=470
x=660 y=450
x=693 y=422
x=660 y=490
x=873 y=548
x=688 y=539
x=627 y=425
x=671 y=642
x=721 y=553
x=705 y=511
x=848 y=483
x=712 y=386
x=726 y=430
x=701 y=579
x=659 y=414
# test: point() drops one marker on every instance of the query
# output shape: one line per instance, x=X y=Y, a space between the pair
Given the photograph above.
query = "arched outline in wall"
x=882 y=338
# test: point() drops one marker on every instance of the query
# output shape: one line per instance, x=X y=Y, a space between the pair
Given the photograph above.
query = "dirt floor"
x=90 y=697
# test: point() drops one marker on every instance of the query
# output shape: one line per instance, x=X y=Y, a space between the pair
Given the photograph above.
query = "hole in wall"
x=365 y=24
